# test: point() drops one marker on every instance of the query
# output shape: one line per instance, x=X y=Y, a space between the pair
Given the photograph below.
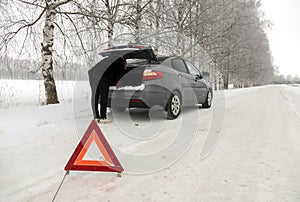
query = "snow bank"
x=238 y=91
x=15 y=93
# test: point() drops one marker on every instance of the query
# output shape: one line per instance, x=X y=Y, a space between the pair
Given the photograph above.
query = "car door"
x=198 y=84
x=186 y=80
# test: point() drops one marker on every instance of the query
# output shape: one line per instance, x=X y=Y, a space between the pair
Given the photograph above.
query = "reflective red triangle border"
x=100 y=166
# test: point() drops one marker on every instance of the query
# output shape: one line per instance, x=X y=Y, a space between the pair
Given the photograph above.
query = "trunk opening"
x=122 y=74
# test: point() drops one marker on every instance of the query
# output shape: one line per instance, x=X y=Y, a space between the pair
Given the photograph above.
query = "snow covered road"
x=256 y=159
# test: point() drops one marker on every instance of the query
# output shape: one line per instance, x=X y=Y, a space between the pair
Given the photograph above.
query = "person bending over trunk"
x=100 y=85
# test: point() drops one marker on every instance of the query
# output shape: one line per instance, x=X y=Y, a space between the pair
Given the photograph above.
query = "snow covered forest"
x=42 y=38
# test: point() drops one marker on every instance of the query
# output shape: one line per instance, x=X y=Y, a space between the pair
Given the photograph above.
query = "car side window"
x=192 y=69
x=179 y=65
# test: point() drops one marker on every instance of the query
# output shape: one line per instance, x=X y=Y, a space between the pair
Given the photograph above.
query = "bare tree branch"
x=76 y=30
x=55 y=5
x=7 y=38
x=32 y=4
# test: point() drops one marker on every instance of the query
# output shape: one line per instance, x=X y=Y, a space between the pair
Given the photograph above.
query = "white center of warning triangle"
x=93 y=153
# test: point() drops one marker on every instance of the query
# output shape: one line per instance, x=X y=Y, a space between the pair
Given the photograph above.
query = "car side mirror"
x=205 y=74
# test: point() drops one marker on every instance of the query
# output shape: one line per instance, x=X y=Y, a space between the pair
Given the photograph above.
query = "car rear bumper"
x=147 y=97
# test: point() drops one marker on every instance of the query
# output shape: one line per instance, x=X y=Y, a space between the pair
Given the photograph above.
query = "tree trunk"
x=157 y=25
x=47 y=61
x=111 y=12
x=179 y=30
x=110 y=33
x=191 y=29
x=138 y=21
x=226 y=76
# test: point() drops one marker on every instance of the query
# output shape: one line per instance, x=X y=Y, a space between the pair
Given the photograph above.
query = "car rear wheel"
x=208 y=101
x=174 y=106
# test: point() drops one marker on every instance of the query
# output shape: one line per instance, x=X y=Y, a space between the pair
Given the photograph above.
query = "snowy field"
x=257 y=157
x=16 y=93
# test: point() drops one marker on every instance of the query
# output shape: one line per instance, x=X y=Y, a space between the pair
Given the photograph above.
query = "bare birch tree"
x=24 y=18
x=47 y=50
x=47 y=11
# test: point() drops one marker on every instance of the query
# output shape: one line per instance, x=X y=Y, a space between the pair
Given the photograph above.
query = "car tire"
x=118 y=109
x=173 y=107
x=208 y=100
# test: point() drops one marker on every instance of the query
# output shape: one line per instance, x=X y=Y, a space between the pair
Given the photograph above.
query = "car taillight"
x=136 y=101
x=151 y=75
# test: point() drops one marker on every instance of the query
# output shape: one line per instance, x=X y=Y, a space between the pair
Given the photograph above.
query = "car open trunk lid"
x=131 y=53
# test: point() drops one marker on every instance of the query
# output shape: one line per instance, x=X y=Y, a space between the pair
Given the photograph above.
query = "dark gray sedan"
x=145 y=81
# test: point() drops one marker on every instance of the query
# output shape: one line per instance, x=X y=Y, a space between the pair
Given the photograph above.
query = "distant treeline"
x=25 y=69
x=281 y=79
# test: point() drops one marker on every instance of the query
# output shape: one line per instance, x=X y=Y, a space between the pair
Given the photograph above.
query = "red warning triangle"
x=110 y=162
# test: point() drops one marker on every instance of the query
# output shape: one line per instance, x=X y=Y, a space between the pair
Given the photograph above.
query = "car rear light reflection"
x=151 y=75
x=139 y=46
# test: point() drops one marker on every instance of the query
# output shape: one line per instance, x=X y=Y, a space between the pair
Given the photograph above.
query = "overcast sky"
x=285 y=34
